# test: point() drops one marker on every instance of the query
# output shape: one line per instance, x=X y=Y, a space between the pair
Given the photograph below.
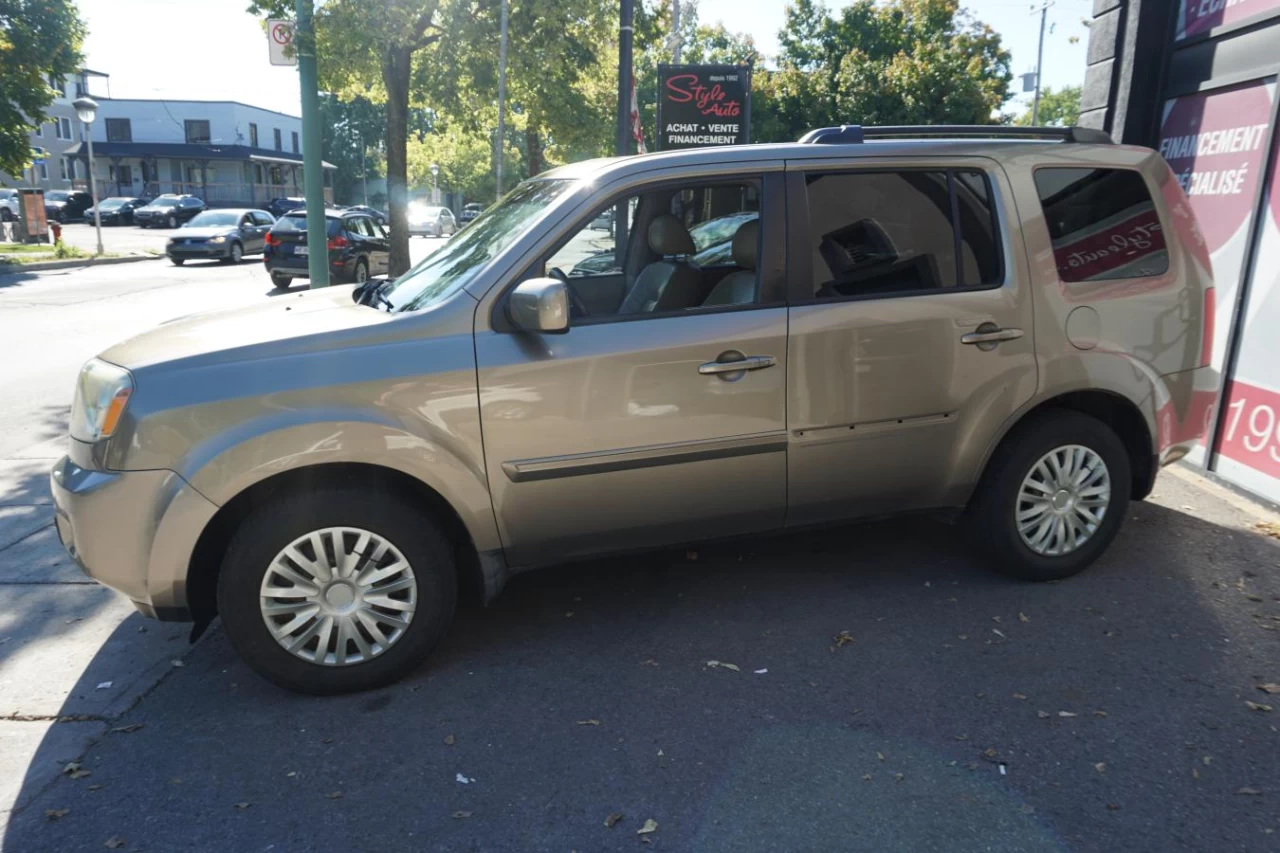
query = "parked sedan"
x=428 y=221
x=66 y=205
x=378 y=216
x=168 y=211
x=357 y=247
x=117 y=210
x=224 y=235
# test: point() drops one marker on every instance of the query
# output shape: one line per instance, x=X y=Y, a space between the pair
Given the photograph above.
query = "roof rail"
x=852 y=134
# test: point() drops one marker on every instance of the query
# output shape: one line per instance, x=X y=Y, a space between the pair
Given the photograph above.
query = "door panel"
x=608 y=437
x=888 y=409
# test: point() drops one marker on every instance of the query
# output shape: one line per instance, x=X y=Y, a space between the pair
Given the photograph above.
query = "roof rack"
x=852 y=134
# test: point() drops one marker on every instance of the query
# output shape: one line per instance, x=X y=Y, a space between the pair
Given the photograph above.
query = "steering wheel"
x=577 y=308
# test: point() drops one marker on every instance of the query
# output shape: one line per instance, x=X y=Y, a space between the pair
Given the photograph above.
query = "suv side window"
x=1103 y=224
x=910 y=231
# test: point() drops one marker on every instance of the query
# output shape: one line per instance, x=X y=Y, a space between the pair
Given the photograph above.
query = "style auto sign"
x=703 y=105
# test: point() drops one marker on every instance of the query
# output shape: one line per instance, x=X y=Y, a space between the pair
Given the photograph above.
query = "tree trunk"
x=395 y=76
x=533 y=149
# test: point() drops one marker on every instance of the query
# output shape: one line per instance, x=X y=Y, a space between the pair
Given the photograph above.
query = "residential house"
x=225 y=152
x=56 y=140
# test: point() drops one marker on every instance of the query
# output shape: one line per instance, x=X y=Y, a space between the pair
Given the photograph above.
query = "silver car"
x=1015 y=332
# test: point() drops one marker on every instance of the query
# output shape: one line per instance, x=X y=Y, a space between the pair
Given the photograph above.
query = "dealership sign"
x=703 y=105
x=1200 y=16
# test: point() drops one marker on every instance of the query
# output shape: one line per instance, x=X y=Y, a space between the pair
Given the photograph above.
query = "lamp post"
x=87 y=111
x=435 y=184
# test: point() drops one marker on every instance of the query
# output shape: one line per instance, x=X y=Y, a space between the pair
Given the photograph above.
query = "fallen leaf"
x=880 y=755
x=1019 y=696
x=1022 y=617
x=588 y=722
x=71 y=767
x=54 y=814
x=995 y=619
x=715 y=664
x=691 y=555
x=95 y=787
x=612 y=820
x=450 y=740
x=242 y=806
x=898 y=777
x=1208 y=759
x=326 y=740
x=464 y=780
x=1195 y=774
x=115 y=842
x=1269 y=688
x=963 y=636
x=1099 y=713
x=844 y=638
x=1268 y=528
x=1043 y=714
x=1067 y=714
x=1101 y=767
x=1114 y=807
x=1249 y=792
x=1256 y=706
x=998 y=633
x=461 y=814
x=650 y=825
x=760 y=671
x=334 y=795
x=177 y=662
x=129 y=729
x=648 y=662
x=568 y=614
x=104 y=685
x=866 y=777
x=80 y=774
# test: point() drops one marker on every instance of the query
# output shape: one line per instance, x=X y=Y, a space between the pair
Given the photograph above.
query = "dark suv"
x=66 y=205
x=357 y=244
x=278 y=207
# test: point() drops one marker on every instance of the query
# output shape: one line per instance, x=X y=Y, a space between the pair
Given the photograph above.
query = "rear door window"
x=1103 y=224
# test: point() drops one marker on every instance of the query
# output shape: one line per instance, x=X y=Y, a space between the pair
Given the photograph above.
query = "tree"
x=1061 y=107
x=39 y=40
x=373 y=50
x=897 y=62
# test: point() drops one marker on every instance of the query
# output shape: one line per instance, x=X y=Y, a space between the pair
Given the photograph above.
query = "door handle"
x=736 y=365
x=990 y=334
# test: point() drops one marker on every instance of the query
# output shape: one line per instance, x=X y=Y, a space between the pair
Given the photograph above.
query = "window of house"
x=71 y=168
x=1103 y=224
x=62 y=168
x=44 y=171
x=880 y=233
x=40 y=129
x=119 y=130
x=197 y=131
x=279 y=146
x=253 y=135
x=64 y=128
x=675 y=252
x=295 y=142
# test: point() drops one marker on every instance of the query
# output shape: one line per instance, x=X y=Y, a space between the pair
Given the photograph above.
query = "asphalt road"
x=960 y=711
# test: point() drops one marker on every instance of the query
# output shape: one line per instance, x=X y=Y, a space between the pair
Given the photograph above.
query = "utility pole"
x=1035 y=104
x=675 y=32
x=304 y=42
x=624 y=78
x=502 y=95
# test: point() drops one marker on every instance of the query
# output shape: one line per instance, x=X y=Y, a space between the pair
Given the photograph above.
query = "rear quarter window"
x=1103 y=224
x=291 y=222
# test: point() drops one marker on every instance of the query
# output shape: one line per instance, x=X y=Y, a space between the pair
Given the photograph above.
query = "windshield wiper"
x=375 y=296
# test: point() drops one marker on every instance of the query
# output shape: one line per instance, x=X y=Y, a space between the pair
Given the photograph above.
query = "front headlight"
x=218 y=239
x=102 y=393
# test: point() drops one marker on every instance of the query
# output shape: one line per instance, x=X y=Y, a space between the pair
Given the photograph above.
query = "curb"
x=6 y=269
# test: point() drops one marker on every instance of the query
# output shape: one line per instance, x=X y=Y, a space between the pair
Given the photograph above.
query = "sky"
x=219 y=52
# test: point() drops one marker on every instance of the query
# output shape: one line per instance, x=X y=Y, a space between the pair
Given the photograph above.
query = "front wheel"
x=177 y=262
x=1053 y=496
x=235 y=254
x=337 y=589
x=172 y=222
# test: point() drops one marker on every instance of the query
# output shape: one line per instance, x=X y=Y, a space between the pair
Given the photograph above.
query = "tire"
x=361 y=274
x=992 y=515
x=6 y=215
x=172 y=222
x=263 y=536
x=235 y=254
x=177 y=262
x=281 y=282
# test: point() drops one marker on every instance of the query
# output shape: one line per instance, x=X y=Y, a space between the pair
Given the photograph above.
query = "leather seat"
x=671 y=284
x=739 y=288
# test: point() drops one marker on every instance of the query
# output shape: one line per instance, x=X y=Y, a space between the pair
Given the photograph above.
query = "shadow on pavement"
x=965 y=712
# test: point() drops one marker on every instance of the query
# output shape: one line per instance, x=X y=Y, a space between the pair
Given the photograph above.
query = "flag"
x=637 y=130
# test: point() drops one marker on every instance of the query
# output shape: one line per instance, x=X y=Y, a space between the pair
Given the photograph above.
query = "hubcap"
x=1062 y=500
x=338 y=596
x=362 y=275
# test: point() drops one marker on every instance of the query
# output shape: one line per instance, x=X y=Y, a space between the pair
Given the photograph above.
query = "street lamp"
x=87 y=111
x=435 y=184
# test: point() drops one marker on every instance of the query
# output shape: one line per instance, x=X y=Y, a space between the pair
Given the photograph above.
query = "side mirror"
x=540 y=305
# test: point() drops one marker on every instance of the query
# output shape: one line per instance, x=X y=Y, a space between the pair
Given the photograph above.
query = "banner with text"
x=703 y=105
x=1200 y=16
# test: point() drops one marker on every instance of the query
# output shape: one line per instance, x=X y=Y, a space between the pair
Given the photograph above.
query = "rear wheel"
x=281 y=282
x=1053 y=497
x=337 y=589
x=362 y=271
x=177 y=262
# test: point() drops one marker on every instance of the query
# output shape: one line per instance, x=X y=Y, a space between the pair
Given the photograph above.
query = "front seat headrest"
x=746 y=244
x=668 y=236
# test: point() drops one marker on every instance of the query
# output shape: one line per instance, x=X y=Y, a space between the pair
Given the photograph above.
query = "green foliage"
x=38 y=39
x=1060 y=107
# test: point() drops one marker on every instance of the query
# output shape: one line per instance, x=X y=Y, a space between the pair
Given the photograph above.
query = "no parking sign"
x=280 y=43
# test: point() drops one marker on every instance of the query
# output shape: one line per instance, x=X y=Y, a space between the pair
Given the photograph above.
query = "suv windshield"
x=453 y=265
x=57 y=195
x=214 y=218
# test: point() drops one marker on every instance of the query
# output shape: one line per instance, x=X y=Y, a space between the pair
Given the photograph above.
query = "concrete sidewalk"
x=55 y=626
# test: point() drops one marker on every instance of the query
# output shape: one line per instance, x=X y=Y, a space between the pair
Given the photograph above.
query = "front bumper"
x=196 y=251
x=133 y=531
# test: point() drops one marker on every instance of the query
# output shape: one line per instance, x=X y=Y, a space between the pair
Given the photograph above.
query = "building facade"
x=55 y=141
x=1196 y=79
x=225 y=152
